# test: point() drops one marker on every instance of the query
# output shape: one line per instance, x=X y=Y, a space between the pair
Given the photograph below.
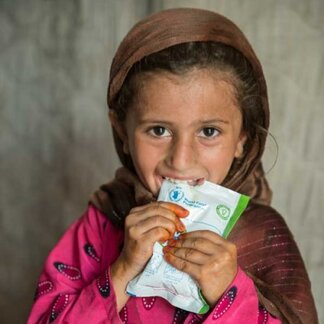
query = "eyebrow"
x=211 y=121
x=166 y=122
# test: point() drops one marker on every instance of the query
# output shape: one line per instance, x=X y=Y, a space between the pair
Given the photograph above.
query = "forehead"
x=202 y=87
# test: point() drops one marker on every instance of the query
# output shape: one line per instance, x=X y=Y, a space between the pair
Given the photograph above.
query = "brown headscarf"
x=266 y=248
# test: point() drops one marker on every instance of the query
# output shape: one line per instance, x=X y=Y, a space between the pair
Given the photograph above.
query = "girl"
x=188 y=101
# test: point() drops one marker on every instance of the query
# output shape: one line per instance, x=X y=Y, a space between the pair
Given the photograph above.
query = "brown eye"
x=209 y=132
x=159 y=131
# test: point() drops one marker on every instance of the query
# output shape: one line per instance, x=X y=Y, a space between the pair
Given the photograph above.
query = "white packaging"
x=211 y=207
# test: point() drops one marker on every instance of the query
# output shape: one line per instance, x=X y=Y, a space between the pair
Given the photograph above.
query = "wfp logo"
x=223 y=211
x=176 y=194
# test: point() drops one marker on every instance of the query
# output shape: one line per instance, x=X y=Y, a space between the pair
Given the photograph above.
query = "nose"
x=182 y=154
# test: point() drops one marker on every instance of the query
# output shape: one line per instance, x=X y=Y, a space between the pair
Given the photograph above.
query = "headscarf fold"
x=283 y=287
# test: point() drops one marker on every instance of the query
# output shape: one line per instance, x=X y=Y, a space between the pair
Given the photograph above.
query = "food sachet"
x=211 y=207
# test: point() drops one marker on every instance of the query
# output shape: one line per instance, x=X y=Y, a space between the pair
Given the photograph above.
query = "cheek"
x=136 y=152
x=218 y=161
x=145 y=157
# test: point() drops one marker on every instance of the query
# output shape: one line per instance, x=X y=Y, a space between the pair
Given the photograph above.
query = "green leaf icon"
x=223 y=211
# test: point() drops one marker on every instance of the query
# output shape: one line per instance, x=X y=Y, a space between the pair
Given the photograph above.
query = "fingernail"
x=184 y=213
x=181 y=226
x=178 y=210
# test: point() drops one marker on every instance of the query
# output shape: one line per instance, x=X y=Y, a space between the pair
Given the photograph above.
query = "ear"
x=240 y=146
x=119 y=127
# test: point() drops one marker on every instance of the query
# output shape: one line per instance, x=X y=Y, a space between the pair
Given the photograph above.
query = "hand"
x=207 y=258
x=144 y=226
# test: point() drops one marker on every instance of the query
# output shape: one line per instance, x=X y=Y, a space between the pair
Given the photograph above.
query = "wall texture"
x=56 y=147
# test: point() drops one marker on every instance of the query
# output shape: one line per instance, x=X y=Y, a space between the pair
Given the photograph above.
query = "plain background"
x=55 y=142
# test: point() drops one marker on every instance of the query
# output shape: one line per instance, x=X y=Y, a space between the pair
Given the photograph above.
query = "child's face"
x=184 y=127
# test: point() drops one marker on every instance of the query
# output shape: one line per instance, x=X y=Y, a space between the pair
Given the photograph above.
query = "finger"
x=159 y=208
x=183 y=265
x=190 y=255
x=176 y=209
x=219 y=242
x=142 y=227
x=156 y=234
x=209 y=235
x=156 y=222
x=197 y=243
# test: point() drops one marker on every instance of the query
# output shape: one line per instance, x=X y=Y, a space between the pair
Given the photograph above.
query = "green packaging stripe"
x=241 y=205
x=205 y=308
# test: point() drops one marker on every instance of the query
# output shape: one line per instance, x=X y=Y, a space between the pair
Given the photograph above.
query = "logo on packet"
x=223 y=211
x=176 y=194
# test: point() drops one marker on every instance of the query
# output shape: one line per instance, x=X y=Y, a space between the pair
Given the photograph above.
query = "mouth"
x=190 y=182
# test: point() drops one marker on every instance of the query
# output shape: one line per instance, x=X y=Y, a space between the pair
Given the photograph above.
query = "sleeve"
x=75 y=286
x=240 y=304
x=268 y=254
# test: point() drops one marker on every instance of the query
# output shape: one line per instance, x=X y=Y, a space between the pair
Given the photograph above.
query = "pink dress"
x=75 y=285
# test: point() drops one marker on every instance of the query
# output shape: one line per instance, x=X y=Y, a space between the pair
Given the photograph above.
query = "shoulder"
x=95 y=218
x=259 y=211
x=257 y=217
x=260 y=226
x=94 y=223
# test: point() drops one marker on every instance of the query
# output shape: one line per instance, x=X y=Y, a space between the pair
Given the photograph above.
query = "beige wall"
x=56 y=147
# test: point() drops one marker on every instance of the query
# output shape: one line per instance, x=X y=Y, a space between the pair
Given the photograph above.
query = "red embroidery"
x=68 y=271
x=43 y=288
x=58 y=307
x=123 y=314
x=179 y=316
x=148 y=302
x=103 y=284
x=263 y=315
x=225 y=303
x=90 y=250
x=196 y=319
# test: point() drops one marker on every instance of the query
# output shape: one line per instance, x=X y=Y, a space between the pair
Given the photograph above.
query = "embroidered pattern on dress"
x=58 y=307
x=263 y=315
x=123 y=314
x=90 y=250
x=148 y=302
x=43 y=287
x=225 y=303
x=103 y=284
x=68 y=271
x=179 y=316
x=196 y=319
